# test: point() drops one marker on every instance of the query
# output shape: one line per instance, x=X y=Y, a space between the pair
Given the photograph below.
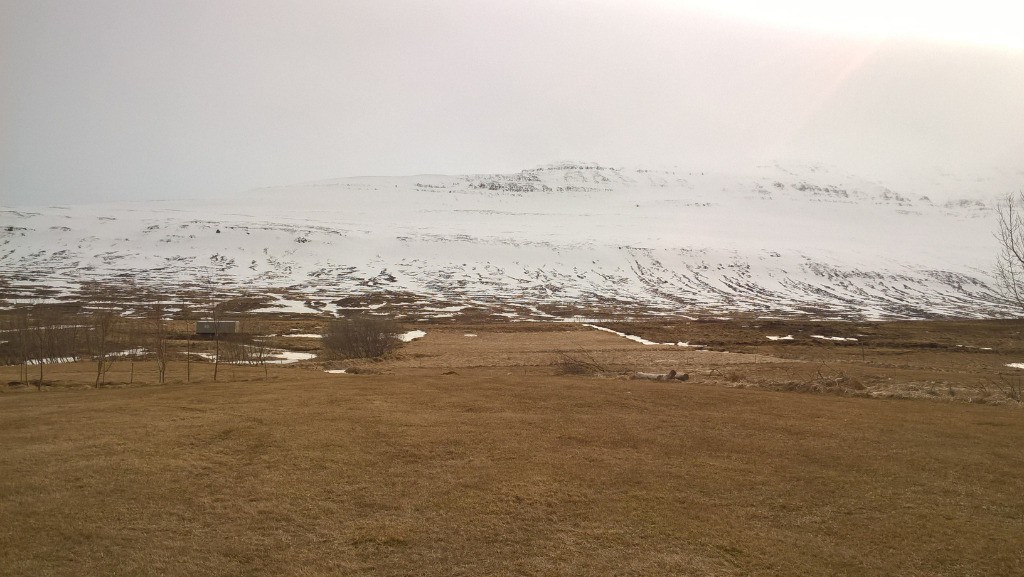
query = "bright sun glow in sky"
x=982 y=22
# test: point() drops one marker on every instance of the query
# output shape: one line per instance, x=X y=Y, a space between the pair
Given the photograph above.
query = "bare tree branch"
x=1010 y=260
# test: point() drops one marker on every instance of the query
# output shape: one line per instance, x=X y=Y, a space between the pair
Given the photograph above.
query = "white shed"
x=211 y=327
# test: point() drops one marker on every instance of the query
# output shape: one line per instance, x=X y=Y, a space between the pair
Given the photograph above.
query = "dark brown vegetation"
x=471 y=455
x=360 y=337
x=961 y=360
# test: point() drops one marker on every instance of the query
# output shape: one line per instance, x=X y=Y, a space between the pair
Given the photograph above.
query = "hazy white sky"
x=121 y=99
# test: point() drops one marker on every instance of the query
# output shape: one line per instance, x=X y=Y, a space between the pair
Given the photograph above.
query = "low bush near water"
x=360 y=337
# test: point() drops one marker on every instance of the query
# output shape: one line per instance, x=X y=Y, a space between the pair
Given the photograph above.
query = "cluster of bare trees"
x=34 y=337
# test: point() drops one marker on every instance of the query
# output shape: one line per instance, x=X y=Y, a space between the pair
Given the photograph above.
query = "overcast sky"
x=136 y=99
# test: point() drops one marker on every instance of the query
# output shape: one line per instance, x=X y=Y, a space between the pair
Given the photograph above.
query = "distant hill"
x=562 y=240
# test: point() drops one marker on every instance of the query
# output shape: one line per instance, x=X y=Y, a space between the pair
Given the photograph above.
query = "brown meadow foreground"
x=474 y=455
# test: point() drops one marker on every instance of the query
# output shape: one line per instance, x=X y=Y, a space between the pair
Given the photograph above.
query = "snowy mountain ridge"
x=561 y=240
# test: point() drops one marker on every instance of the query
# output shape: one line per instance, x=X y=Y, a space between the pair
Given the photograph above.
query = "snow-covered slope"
x=773 y=240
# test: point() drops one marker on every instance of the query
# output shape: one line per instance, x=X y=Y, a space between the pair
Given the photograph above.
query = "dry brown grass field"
x=896 y=454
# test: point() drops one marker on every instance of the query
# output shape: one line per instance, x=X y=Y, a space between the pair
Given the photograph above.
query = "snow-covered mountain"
x=566 y=239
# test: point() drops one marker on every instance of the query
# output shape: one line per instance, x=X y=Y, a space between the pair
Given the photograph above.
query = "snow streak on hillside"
x=571 y=237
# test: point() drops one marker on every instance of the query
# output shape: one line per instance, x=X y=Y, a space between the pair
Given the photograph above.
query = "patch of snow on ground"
x=50 y=327
x=288 y=357
x=39 y=301
x=469 y=335
x=778 y=338
x=62 y=360
x=635 y=338
x=129 y=353
x=411 y=335
x=824 y=338
x=1016 y=365
x=274 y=357
x=284 y=305
x=52 y=361
x=337 y=371
x=641 y=340
x=304 y=336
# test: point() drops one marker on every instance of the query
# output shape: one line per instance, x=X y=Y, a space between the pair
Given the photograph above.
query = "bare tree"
x=38 y=331
x=188 y=360
x=251 y=347
x=134 y=351
x=53 y=336
x=64 y=338
x=214 y=310
x=158 y=341
x=102 y=340
x=21 y=332
x=1010 y=262
x=39 y=335
x=132 y=331
x=9 y=354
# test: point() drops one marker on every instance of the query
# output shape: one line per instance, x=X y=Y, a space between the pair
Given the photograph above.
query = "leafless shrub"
x=733 y=376
x=1012 y=387
x=835 y=380
x=360 y=337
x=996 y=390
x=245 y=350
x=234 y=350
x=577 y=363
